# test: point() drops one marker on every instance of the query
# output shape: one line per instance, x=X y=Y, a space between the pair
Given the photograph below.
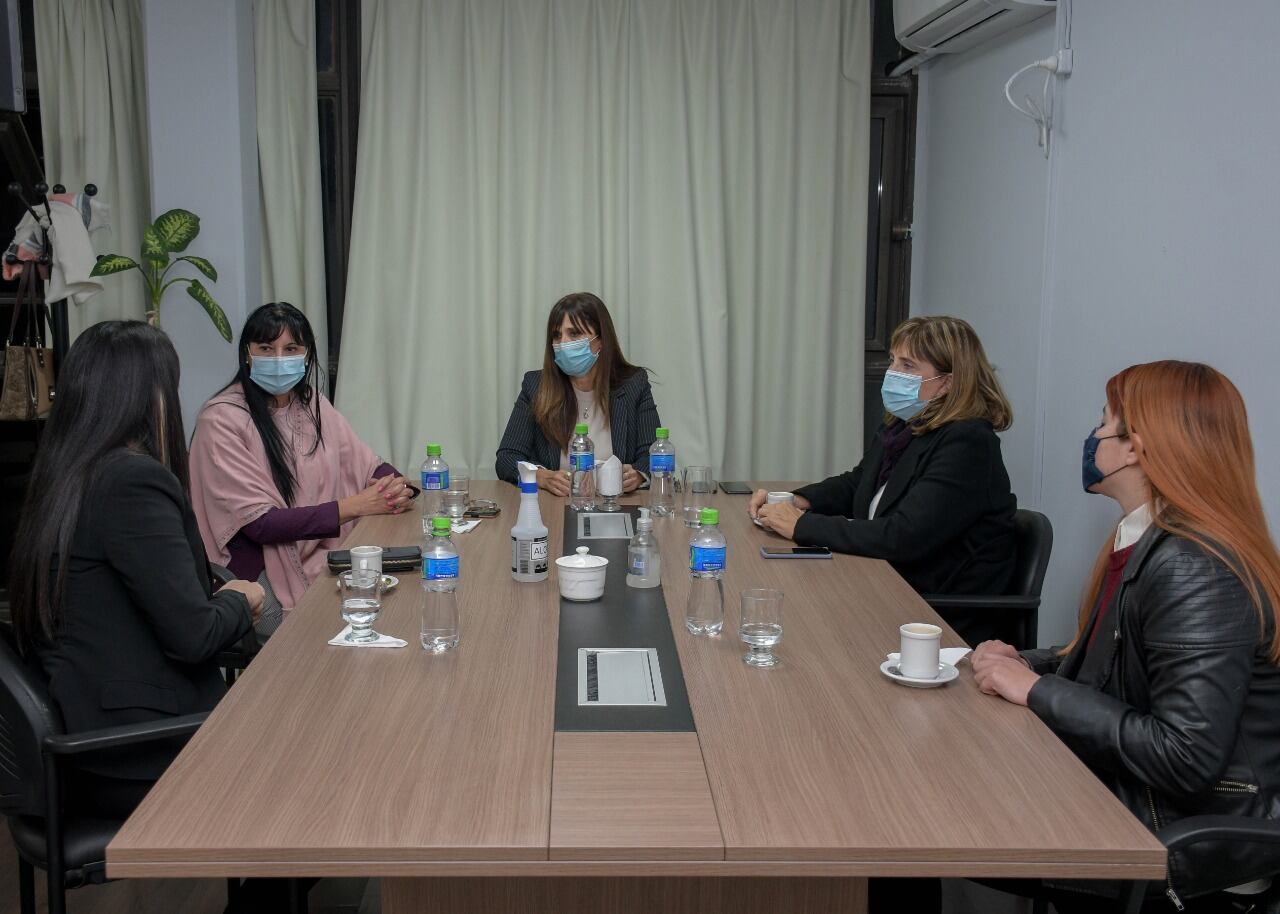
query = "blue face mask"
x=277 y=375
x=900 y=393
x=575 y=358
x=1090 y=475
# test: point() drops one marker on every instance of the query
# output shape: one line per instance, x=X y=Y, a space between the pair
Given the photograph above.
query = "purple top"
x=282 y=525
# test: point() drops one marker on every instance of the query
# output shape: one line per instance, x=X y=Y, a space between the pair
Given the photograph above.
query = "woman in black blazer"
x=584 y=378
x=931 y=495
x=110 y=588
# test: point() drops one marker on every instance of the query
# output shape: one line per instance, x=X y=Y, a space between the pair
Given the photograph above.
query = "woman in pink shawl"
x=278 y=477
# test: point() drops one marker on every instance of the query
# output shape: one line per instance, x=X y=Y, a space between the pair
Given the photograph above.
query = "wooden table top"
x=334 y=760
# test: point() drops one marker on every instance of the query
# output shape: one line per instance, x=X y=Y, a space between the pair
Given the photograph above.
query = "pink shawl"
x=231 y=482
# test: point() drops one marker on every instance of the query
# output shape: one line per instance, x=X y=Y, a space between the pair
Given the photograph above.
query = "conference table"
x=480 y=780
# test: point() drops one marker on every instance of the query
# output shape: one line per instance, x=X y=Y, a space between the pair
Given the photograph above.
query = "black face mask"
x=1089 y=472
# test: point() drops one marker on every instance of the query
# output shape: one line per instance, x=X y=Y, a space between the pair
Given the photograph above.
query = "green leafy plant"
x=169 y=235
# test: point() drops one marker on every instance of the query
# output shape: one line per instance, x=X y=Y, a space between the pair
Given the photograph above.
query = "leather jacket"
x=1182 y=717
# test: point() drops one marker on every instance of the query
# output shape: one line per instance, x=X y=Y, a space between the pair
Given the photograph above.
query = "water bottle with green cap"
x=704 y=614
x=440 y=576
x=435 y=480
x=582 y=463
x=662 y=474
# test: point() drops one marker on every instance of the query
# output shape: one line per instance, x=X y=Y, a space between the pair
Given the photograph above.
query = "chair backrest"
x=27 y=716
x=1033 y=536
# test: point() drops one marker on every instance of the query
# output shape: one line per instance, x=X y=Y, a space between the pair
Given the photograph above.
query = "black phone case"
x=735 y=488
x=394 y=558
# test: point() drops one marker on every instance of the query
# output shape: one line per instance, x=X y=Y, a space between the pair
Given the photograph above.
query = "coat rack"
x=58 y=309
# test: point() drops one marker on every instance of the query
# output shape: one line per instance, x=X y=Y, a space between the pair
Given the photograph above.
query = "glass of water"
x=361 y=602
x=761 y=626
x=698 y=488
x=457 y=496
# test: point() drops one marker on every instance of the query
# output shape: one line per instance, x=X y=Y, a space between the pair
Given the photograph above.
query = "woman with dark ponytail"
x=278 y=477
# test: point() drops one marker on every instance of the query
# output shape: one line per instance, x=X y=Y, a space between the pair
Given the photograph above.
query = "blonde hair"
x=954 y=349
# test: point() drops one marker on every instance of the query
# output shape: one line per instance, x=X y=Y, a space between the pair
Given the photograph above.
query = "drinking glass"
x=457 y=496
x=361 y=602
x=698 y=488
x=761 y=625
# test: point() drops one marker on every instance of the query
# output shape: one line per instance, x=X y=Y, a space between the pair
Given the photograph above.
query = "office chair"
x=1013 y=613
x=70 y=848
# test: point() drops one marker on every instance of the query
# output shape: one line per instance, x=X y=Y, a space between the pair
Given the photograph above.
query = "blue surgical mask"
x=575 y=358
x=900 y=393
x=277 y=375
x=1090 y=475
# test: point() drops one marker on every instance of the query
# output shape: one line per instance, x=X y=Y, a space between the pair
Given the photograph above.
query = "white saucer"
x=756 y=521
x=946 y=673
x=389 y=582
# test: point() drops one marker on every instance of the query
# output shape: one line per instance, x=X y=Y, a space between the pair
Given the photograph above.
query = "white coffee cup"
x=366 y=557
x=919 y=651
x=777 y=498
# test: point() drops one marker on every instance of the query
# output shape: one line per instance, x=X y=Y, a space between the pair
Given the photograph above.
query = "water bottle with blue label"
x=582 y=462
x=704 y=614
x=662 y=474
x=439 y=589
x=435 y=481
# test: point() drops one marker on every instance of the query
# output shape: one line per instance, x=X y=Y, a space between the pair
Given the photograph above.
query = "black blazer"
x=140 y=625
x=632 y=419
x=945 y=521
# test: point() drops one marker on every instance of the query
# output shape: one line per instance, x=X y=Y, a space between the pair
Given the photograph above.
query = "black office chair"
x=1010 y=616
x=70 y=848
x=1180 y=835
x=1197 y=829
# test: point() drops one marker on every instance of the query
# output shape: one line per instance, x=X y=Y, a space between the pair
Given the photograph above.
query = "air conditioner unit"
x=950 y=26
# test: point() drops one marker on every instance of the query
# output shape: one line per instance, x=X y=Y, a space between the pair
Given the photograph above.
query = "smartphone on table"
x=735 y=488
x=795 y=552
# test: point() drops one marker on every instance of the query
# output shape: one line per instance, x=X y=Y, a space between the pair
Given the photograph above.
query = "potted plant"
x=168 y=236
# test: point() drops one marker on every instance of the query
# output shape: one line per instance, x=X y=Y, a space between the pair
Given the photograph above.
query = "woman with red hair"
x=1170 y=690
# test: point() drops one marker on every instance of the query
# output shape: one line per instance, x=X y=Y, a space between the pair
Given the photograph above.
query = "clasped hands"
x=557 y=482
x=998 y=669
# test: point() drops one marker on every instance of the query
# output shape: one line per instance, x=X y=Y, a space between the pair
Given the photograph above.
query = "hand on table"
x=554 y=481
x=990 y=650
x=252 y=591
x=631 y=478
x=780 y=518
x=999 y=674
x=760 y=496
x=387 y=495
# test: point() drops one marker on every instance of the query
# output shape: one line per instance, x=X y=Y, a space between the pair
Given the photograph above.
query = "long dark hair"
x=555 y=408
x=117 y=389
x=263 y=326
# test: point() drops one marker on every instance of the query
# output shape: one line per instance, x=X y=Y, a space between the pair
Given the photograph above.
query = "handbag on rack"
x=28 y=378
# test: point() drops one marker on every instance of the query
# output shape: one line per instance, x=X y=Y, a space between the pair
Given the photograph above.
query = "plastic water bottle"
x=705 y=613
x=529 y=538
x=439 y=589
x=662 y=474
x=644 y=563
x=435 y=480
x=582 y=461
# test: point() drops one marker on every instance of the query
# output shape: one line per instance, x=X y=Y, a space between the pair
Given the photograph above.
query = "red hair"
x=1190 y=431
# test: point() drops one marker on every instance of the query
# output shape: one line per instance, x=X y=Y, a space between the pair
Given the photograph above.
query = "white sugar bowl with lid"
x=581 y=575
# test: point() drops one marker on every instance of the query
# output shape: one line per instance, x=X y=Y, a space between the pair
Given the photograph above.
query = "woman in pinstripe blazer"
x=584 y=378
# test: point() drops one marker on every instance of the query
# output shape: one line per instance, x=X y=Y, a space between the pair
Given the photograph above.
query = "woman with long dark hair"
x=584 y=379
x=1169 y=689
x=278 y=476
x=109 y=585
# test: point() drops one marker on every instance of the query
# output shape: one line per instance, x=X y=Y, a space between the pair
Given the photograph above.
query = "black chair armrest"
x=1195 y=829
x=127 y=735
x=980 y=601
